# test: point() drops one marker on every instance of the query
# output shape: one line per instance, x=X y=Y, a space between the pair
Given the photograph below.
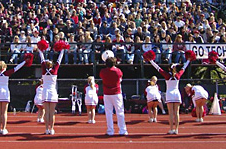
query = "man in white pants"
x=111 y=77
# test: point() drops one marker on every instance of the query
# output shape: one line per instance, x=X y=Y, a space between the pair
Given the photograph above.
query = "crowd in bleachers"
x=127 y=27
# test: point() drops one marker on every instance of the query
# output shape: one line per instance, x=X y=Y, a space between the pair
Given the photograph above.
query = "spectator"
x=179 y=49
x=98 y=48
x=119 y=49
x=129 y=50
x=167 y=47
x=15 y=49
x=73 y=47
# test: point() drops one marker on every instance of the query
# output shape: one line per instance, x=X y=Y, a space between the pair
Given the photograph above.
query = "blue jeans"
x=168 y=55
x=180 y=54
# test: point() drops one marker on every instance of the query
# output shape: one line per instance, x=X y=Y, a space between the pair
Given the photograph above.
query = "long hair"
x=173 y=69
x=91 y=81
x=2 y=65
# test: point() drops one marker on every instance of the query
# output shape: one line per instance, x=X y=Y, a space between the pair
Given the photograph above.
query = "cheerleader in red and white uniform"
x=49 y=94
x=91 y=99
x=153 y=99
x=4 y=93
x=39 y=102
x=199 y=96
x=173 y=97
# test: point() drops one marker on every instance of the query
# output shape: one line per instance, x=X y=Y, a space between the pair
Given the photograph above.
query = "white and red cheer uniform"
x=172 y=83
x=91 y=97
x=111 y=78
x=153 y=93
x=198 y=92
x=4 y=81
x=38 y=96
x=49 y=77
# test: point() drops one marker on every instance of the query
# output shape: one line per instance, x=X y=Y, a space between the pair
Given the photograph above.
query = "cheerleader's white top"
x=153 y=93
x=198 y=93
x=91 y=97
x=4 y=79
x=38 y=96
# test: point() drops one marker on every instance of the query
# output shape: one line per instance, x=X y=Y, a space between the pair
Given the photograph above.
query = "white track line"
x=130 y=134
x=116 y=142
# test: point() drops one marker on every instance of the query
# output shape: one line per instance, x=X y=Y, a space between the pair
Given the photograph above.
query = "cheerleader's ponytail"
x=91 y=81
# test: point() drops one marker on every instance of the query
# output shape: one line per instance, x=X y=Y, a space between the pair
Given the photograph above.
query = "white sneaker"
x=124 y=134
x=38 y=120
x=47 y=132
x=93 y=121
x=197 y=120
x=154 y=120
x=1 y=131
x=170 y=132
x=176 y=131
x=201 y=119
x=41 y=120
x=163 y=112
x=150 y=120
x=52 y=132
x=4 y=132
x=89 y=121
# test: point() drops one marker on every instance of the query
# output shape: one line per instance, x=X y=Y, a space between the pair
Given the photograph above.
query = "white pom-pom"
x=106 y=54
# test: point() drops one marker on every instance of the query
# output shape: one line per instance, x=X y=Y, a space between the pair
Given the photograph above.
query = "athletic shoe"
x=176 y=132
x=124 y=134
x=4 y=132
x=201 y=119
x=150 y=120
x=52 y=132
x=154 y=120
x=170 y=132
x=197 y=120
x=89 y=121
x=38 y=120
x=163 y=112
x=41 y=120
x=47 y=132
x=93 y=121
x=1 y=131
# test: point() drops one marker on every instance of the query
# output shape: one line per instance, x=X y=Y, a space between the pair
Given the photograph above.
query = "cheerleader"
x=91 y=99
x=199 y=96
x=38 y=101
x=4 y=93
x=153 y=99
x=49 y=94
x=173 y=97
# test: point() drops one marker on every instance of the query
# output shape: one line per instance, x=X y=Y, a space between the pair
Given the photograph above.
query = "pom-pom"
x=189 y=54
x=149 y=55
x=28 y=57
x=66 y=45
x=213 y=56
x=106 y=54
x=59 y=45
x=193 y=112
x=43 y=45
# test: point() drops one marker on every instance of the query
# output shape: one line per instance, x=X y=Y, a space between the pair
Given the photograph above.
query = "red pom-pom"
x=149 y=55
x=213 y=56
x=66 y=45
x=28 y=57
x=60 y=45
x=189 y=54
x=43 y=45
x=193 y=112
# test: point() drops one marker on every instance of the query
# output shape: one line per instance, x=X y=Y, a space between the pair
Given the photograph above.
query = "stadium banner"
x=202 y=50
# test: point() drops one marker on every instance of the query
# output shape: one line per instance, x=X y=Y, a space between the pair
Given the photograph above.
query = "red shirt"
x=111 y=78
x=9 y=72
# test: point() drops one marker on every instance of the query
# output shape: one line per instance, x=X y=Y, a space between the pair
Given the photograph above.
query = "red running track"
x=73 y=132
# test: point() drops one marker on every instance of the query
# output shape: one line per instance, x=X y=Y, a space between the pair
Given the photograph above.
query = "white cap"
x=106 y=54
